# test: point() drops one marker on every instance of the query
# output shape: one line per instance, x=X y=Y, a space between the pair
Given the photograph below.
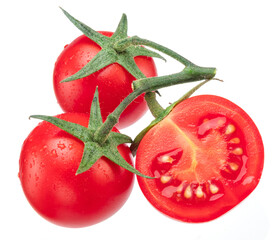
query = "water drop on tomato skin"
x=42 y=165
x=61 y=146
x=54 y=153
x=36 y=177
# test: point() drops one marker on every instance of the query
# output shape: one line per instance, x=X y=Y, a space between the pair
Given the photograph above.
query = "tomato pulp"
x=206 y=156
x=113 y=81
x=48 y=163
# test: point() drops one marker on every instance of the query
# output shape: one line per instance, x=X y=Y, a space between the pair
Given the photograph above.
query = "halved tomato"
x=206 y=156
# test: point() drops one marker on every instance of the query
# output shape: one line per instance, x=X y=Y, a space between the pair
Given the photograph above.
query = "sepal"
x=142 y=51
x=119 y=138
x=95 y=119
x=102 y=59
x=91 y=153
x=74 y=129
x=116 y=157
x=87 y=31
x=121 y=30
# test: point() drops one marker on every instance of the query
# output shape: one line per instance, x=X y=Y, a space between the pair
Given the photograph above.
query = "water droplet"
x=36 y=178
x=54 y=153
x=61 y=146
x=43 y=148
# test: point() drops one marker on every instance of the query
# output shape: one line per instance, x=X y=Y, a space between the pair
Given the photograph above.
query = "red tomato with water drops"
x=206 y=156
x=113 y=81
x=48 y=163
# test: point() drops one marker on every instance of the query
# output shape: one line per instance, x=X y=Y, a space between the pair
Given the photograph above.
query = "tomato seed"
x=237 y=151
x=199 y=192
x=165 y=179
x=235 y=140
x=166 y=159
x=213 y=189
x=230 y=129
x=234 y=166
x=188 y=192
x=180 y=188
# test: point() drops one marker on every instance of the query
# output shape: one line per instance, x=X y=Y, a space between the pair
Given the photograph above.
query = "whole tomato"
x=48 y=163
x=206 y=156
x=113 y=81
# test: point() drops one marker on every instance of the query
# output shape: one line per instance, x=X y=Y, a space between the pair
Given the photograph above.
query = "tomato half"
x=48 y=163
x=113 y=81
x=206 y=156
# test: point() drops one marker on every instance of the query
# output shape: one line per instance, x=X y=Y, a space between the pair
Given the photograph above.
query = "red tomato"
x=48 y=163
x=114 y=82
x=206 y=156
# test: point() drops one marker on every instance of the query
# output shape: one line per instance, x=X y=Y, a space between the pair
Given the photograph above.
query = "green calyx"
x=108 y=53
x=93 y=150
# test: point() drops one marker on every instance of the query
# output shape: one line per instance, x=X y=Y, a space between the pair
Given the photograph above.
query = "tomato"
x=113 y=81
x=206 y=156
x=48 y=163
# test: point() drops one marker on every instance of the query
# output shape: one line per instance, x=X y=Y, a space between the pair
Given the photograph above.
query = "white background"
x=236 y=37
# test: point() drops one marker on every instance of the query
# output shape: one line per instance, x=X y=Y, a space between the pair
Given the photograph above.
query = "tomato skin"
x=178 y=135
x=113 y=81
x=48 y=163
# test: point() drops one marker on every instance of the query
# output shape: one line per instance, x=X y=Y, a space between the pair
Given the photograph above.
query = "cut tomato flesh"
x=191 y=171
x=202 y=158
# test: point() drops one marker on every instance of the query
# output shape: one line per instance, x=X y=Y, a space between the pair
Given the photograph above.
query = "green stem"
x=123 y=44
x=189 y=74
x=154 y=106
x=156 y=109
x=101 y=134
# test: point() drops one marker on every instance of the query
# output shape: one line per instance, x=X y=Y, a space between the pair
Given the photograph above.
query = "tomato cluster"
x=199 y=158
